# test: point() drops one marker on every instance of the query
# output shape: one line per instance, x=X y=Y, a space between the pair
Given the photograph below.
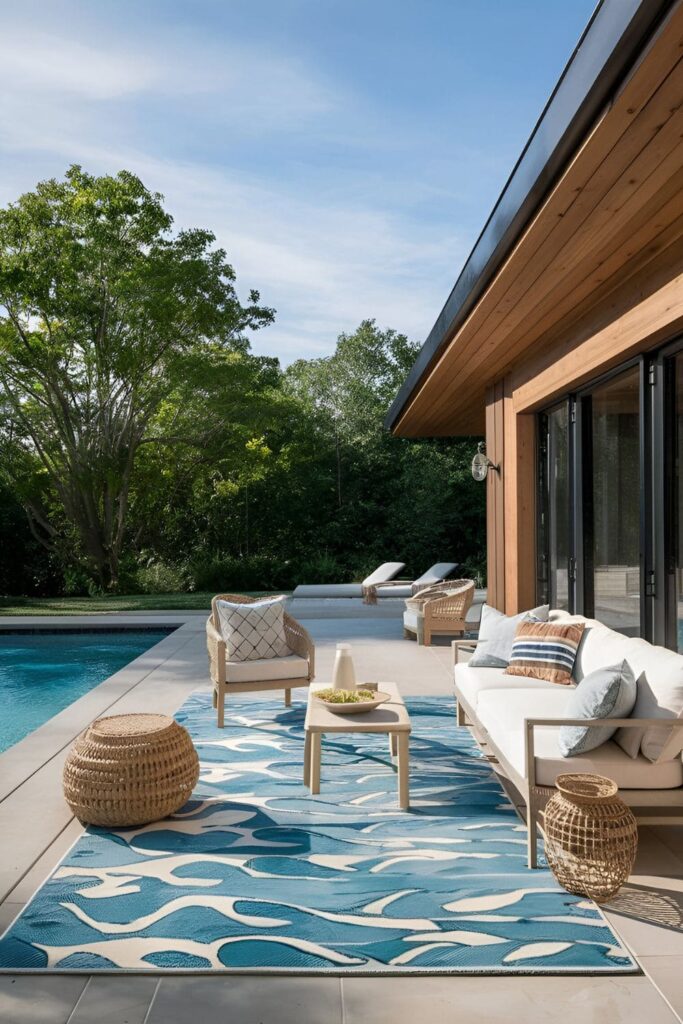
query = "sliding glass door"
x=612 y=502
x=610 y=499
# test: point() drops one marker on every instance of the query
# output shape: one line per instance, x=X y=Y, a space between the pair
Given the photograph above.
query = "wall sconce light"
x=481 y=463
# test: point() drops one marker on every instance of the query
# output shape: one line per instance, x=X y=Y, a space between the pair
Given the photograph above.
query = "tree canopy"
x=149 y=448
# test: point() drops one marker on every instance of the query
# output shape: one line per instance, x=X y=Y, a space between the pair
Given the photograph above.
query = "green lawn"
x=200 y=601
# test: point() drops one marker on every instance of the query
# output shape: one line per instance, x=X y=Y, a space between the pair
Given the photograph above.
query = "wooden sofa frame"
x=648 y=805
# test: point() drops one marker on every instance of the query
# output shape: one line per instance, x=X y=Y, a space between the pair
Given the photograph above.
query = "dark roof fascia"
x=611 y=42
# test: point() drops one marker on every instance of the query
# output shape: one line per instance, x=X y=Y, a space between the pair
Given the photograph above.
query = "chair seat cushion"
x=474 y=681
x=502 y=715
x=410 y=619
x=265 y=670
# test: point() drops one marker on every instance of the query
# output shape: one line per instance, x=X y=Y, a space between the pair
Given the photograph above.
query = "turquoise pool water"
x=42 y=673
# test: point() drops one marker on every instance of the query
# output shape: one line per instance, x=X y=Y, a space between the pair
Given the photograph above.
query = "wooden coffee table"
x=390 y=718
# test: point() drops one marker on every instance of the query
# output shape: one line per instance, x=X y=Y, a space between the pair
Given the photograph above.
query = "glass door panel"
x=612 y=504
x=559 y=509
x=676 y=533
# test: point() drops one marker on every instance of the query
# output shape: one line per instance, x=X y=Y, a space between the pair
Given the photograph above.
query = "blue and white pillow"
x=497 y=634
x=606 y=693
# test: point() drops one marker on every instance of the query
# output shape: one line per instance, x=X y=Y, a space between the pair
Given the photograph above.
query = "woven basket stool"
x=130 y=770
x=591 y=836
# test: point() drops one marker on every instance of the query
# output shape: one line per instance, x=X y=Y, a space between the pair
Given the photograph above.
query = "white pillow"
x=253 y=631
x=659 y=672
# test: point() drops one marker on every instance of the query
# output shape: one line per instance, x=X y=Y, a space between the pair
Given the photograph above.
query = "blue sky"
x=345 y=152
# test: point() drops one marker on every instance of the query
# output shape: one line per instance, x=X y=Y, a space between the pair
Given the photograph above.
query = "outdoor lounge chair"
x=382 y=574
x=406 y=588
x=297 y=669
x=438 y=611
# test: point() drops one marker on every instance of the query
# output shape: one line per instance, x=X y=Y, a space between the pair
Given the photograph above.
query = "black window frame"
x=657 y=492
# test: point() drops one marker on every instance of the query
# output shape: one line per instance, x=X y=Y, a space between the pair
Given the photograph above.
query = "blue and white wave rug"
x=256 y=875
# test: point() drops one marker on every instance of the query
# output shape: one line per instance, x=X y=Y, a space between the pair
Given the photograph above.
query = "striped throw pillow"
x=545 y=650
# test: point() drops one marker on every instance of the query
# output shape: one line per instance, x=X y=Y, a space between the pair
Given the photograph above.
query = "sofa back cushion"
x=545 y=650
x=497 y=633
x=659 y=678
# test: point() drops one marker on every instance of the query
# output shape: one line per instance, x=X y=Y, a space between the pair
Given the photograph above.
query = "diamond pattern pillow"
x=254 y=631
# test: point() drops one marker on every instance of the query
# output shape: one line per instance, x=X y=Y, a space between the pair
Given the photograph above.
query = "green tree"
x=106 y=318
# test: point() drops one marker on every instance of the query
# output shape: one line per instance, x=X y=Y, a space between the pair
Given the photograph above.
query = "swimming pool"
x=42 y=673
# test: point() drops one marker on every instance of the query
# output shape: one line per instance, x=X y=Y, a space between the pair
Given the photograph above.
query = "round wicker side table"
x=591 y=836
x=130 y=770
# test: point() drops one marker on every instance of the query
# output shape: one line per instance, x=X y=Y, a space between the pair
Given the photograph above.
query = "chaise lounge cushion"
x=502 y=715
x=474 y=681
x=263 y=671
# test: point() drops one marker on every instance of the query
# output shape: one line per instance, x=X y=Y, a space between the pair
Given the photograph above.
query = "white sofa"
x=517 y=720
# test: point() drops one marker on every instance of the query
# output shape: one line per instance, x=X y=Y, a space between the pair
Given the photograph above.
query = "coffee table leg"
x=393 y=747
x=307 y=759
x=315 y=762
x=403 y=767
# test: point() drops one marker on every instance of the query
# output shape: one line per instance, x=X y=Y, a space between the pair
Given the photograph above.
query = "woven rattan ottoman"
x=130 y=770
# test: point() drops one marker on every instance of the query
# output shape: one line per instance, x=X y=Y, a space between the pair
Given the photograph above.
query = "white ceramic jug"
x=344 y=674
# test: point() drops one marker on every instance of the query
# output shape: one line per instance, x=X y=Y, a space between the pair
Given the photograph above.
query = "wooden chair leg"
x=214 y=697
x=288 y=698
x=461 y=717
x=220 y=704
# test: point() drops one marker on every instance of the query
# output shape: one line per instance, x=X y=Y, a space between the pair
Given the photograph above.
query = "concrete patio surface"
x=36 y=828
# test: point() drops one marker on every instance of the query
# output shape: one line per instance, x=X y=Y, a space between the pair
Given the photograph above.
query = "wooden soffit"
x=616 y=210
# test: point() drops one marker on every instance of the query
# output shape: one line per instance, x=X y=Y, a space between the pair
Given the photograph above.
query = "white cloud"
x=38 y=63
x=326 y=255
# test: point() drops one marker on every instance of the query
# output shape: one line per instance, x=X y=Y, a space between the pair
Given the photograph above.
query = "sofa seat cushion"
x=264 y=670
x=503 y=715
x=474 y=681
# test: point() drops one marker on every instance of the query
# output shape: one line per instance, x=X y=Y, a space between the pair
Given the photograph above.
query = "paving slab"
x=248 y=1000
x=39 y=999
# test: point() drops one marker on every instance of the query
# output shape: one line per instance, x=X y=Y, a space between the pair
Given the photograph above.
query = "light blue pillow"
x=497 y=634
x=606 y=693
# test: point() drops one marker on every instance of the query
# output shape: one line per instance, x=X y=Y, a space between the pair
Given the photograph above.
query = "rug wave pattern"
x=255 y=874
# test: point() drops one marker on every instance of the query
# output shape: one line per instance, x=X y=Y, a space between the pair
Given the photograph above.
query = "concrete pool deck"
x=36 y=829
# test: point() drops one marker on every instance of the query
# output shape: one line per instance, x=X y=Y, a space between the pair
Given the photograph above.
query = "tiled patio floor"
x=36 y=829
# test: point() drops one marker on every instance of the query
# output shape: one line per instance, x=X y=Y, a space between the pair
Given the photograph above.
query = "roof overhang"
x=609 y=48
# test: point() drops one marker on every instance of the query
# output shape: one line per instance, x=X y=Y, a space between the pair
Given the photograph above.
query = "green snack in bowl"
x=332 y=696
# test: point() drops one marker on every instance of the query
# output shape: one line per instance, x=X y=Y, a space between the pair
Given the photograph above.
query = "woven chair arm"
x=216 y=650
x=453 y=600
x=419 y=587
x=299 y=641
